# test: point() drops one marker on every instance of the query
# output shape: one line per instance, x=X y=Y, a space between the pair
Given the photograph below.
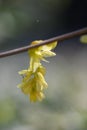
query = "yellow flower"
x=33 y=82
x=39 y=53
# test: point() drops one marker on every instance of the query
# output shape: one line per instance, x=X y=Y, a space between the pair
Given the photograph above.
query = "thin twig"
x=58 y=38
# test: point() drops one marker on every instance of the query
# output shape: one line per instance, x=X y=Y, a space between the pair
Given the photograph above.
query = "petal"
x=41 y=69
x=36 y=96
x=43 y=59
x=34 y=64
x=19 y=85
x=25 y=90
x=23 y=72
x=41 y=79
x=48 y=53
x=33 y=98
x=27 y=87
x=40 y=96
x=49 y=46
x=37 y=42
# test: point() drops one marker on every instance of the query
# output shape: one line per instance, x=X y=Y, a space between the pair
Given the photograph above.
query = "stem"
x=58 y=38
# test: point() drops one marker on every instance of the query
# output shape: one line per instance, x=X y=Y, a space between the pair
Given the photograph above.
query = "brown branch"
x=58 y=38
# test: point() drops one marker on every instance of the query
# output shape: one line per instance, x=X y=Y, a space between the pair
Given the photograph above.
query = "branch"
x=58 y=38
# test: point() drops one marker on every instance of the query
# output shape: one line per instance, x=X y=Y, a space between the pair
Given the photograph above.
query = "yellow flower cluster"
x=33 y=82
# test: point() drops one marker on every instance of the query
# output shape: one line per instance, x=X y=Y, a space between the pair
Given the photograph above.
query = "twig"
x=58 y=38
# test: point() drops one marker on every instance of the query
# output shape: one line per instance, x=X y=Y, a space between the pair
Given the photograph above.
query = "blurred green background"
x=65 y=105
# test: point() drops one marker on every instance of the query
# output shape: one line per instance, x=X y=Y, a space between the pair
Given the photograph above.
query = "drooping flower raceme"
x=33 y=82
